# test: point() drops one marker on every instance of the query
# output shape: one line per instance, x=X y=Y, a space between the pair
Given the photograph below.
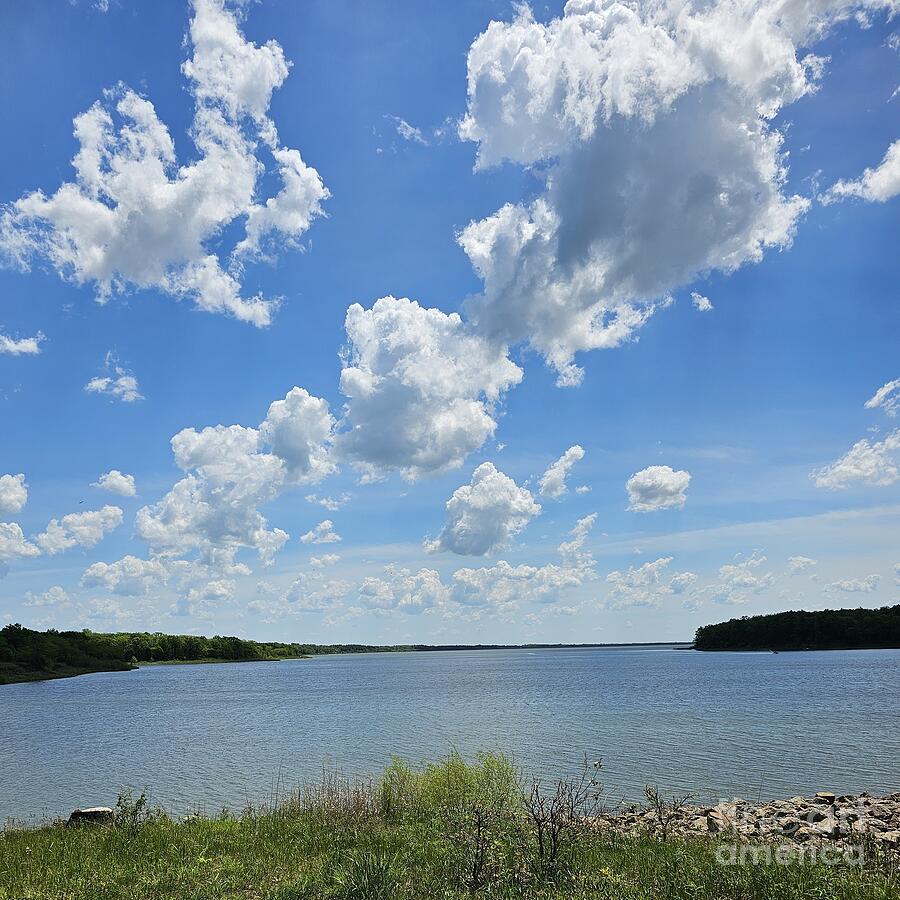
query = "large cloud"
x=653 y=125
x=231 y=471
x=13 y=493
x=657 y=487
x=421 y=388
x=484 y=514
x=134 y=217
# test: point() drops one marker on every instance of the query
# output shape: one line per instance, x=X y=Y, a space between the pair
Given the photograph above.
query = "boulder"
x=92 y=815
x=825 y=797
x=716 y=821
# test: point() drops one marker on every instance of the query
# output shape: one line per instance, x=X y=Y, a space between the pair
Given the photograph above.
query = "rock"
x=825 y=797
x=92 y=815
x=716 y=821
x=814 y=815
x=891 y=838
x=790 y=827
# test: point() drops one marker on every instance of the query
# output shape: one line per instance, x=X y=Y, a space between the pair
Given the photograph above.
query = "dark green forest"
x=828 y=629
x=27 y=655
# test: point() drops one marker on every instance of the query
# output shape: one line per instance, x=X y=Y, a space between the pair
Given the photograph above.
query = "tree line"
x=52 y=652
x=827 y=629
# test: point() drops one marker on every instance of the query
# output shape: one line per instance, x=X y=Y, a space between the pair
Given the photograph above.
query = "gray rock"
x=92 y=815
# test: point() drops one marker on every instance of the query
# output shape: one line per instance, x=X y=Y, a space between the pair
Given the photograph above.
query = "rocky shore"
x=823 y=819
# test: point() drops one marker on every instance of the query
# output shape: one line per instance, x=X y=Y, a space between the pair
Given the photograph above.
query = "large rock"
x=825 y=797
x=92 y=815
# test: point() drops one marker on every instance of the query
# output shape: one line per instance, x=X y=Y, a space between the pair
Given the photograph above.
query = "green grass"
x=449 y=831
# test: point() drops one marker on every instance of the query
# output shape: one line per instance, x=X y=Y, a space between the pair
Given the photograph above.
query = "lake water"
x=204 y=736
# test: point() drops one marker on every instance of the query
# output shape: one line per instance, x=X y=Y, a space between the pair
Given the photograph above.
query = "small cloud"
x=120 y=384
x=701 y=303
x=29 y=346
x=116 y=482
x=408 y=132
x=323 y=533
x=657 y=487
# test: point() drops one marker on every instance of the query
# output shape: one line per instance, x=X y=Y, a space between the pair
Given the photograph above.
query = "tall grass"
x=447 y=830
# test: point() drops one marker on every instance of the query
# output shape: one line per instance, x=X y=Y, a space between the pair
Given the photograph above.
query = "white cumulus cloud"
x=866 y=585
x=484 y=514
x=421 y=388
x=120 y=383
x=655 y=129
x=657 y=487
x=876 y=185
x=231 y=471
x=553 y=481
x=116 y=482
x=29 y=346
x=85 y=529
x=701 y=303
x=13 y=493
x=129 y=576
x=135 y=217
x=868 y=462
x=323 y=533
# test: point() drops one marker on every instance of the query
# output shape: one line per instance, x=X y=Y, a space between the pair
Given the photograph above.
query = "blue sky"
x=748 y=398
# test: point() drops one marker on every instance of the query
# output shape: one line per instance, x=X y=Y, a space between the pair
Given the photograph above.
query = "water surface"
x=207 y=736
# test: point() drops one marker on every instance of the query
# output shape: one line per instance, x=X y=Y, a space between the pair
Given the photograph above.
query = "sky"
x=438 y=323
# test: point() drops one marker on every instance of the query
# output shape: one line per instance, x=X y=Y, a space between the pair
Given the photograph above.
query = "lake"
x=207 y=736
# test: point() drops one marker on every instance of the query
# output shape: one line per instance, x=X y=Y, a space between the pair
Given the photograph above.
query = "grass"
x=449 y=830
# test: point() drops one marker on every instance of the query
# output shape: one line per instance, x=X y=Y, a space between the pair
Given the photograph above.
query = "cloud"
x=116 y=482
x=13 y=493
x=13 y=545
x=798 y=564
x=740 y=581
x=869 y=462
x=402 y=590
x=422 y=388
x=84 y=529
x=204 y=600
x=655 y=129
x=875 y=185
x=657 y=487
x=120 y=384
x=701 y=303
x=129 y=576
x=553 y=481
x=136 y=218
x=231 y=471
x=54 y=596
x=866 y=585
x=484 y=514
x=323 y=533
x=298 y=430
x=409 y=132
x=503 y=586
x=326 y=559
x=647 y=584
x=332 y=504
x=887 y=397
x=30 y=346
